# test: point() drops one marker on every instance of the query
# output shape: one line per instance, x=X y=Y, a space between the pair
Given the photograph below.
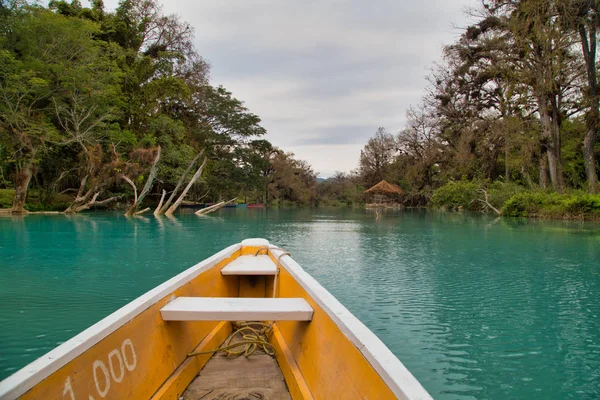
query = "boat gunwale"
x=393 y=372
x=35 y=372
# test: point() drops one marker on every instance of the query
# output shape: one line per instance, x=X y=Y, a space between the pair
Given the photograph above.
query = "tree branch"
x=172 y=209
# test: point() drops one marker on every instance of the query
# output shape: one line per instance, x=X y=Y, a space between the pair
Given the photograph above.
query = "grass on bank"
x=516 y=201
x=36 y=202
x=6 y=197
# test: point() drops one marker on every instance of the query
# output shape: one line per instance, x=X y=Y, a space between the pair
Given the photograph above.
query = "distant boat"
x=230 y=206
x=256 y=205
x=163 y=345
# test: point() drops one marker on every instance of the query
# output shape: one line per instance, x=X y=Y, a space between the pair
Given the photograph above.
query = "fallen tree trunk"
x=215 y=207
x=138 y=200
x=77 y=207
x=487 y=203
x=161 y=209
x=160 y=203
x=82 y=201
x=172 y=209
x=141 y=211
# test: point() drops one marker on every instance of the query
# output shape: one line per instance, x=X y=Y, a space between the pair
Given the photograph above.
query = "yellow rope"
x=252 y=339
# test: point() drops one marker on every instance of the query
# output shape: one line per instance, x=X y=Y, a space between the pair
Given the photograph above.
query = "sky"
x=323 y=75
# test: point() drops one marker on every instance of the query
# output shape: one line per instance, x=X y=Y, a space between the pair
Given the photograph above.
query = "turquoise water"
x=476 y=308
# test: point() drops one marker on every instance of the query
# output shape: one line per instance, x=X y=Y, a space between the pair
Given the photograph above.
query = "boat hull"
x=134 y=354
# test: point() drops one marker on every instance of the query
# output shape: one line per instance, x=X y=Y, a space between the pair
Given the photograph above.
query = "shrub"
x=6 y=198
x=523 y=204
x=35 y=207
x=500 y=192
x=543 y=204
x=582 y=203
x=456 y=195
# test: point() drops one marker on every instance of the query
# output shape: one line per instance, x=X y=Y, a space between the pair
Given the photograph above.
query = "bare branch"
x=164 y=208
x=147 y=186
x=172 y=209
x=160 y=203
x=141 y=211
x=126 y=178
x=487 y=203
x=215 y=207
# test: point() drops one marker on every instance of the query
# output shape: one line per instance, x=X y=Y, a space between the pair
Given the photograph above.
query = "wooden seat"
x=237 y=309
x=250 y=265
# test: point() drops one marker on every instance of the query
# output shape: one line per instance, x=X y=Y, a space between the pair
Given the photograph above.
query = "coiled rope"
x=251 y=339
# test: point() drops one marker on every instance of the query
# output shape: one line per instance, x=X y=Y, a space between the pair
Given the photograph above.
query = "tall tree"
x=549 y=70
x=291 y=180
x=376 y=157
x=583 y=17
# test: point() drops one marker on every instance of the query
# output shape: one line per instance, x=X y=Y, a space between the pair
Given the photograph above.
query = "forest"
x=115 y=109
x=510 y=118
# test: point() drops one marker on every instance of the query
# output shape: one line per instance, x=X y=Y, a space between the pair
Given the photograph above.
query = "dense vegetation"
x=510 y=119
x=90 y=98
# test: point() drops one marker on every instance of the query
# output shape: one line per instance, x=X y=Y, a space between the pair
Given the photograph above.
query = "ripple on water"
x=476 y=309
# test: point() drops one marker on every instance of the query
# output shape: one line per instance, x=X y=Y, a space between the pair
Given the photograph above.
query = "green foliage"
x=470 y=195
x=376 y=158
x=6 y=198
x=529 y=204
x=582 y=203
x=456 y=195
x=340 y=190
x=552 y=205
x=35 y=201
x=75 y=78
x=292 y=180
x=572 y=134
x=509 y=101
x=500 y=192
x=5 y=165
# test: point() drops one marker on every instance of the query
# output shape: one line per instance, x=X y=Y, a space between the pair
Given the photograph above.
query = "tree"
x=291 y=180
x=546 y=66
x=419 y=151
x=583 y=17
x=52 y=71
x=376 y=157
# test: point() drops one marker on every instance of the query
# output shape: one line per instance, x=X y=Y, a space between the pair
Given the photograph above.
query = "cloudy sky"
x=323 y=75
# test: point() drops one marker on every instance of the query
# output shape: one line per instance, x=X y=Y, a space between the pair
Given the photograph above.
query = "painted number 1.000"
x=119 y=362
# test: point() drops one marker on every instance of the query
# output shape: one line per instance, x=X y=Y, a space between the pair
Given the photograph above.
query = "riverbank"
x=36 y=201
x=512 y=200
x=503 y=199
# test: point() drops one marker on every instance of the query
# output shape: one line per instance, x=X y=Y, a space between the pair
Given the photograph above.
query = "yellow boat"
x=162 y=344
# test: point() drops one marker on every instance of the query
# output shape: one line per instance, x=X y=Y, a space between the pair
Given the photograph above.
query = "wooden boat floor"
x=257 y=377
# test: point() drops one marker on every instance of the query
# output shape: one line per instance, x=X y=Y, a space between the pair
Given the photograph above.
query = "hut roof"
x=384 y=187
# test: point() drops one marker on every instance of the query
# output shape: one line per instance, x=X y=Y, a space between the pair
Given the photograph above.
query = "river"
x=475 y=307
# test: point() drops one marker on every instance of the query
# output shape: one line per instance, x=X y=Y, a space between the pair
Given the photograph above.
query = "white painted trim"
x=398 y=378
x=250 y=265
x=21 y=381
x=237 y=309
x=255 y=242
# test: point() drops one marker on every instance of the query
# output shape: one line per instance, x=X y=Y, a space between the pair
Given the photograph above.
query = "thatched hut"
x=384 y=194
